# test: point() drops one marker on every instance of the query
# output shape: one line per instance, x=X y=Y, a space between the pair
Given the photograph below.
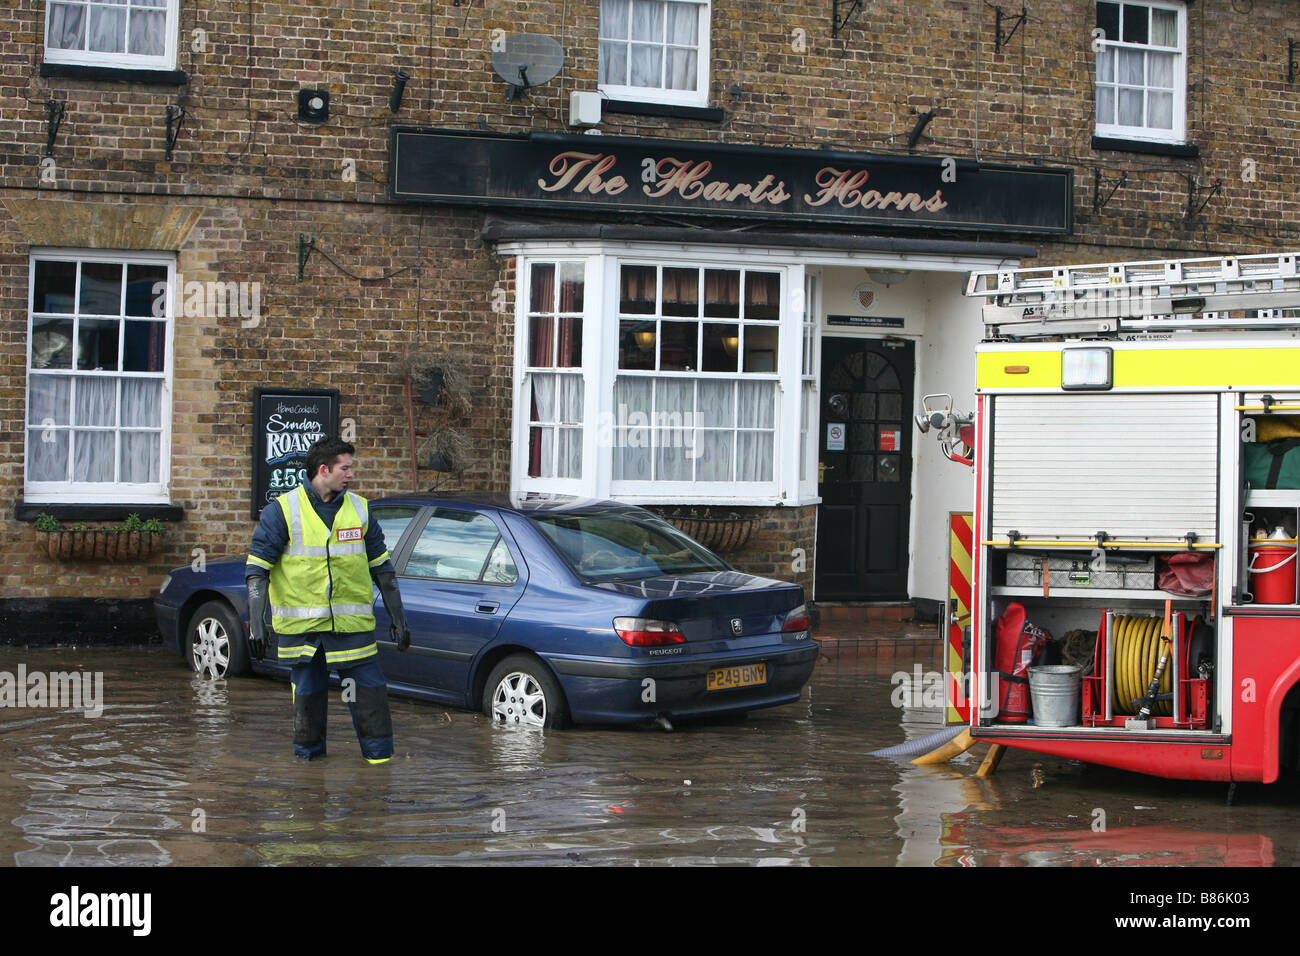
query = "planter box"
x=719 y=535
x=101 y=545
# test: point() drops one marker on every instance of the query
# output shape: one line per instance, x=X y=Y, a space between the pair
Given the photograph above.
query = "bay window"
x=660 y=381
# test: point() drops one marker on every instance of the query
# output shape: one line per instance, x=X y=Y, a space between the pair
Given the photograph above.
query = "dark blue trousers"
x=366 y=693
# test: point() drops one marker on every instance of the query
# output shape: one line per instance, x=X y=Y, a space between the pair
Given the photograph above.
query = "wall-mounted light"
x=645 y=341
x=731 y=344
x=399 y=86
x=887 y=277
x=313 y=106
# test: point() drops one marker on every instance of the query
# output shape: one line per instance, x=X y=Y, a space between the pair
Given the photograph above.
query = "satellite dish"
x=526 y=60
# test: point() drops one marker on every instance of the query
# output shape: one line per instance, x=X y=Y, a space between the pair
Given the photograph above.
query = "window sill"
x=1180 y=150
x=703 y=114
x=72 y=511
x=77 y=71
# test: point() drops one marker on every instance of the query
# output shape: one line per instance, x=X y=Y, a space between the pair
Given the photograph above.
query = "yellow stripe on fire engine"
x=1208 y=368
x=959 y=597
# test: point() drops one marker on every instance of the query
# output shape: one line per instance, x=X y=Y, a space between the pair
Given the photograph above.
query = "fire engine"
x=1136 y=454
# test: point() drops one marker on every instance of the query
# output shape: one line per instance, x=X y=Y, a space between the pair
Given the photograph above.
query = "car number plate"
x=744 y=675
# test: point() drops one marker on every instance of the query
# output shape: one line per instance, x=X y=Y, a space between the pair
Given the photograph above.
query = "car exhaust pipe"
x=664 y=724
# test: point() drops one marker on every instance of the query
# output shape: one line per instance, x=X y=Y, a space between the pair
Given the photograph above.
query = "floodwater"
x=181 y=771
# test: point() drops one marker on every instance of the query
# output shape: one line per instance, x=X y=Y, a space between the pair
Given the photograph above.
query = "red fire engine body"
x=1134 y=488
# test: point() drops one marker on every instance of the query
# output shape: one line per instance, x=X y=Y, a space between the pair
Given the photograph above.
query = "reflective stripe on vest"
x=322 y=583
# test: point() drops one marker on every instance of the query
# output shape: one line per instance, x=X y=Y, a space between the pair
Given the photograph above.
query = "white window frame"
x=524 y=373
x=83 y=492
x=600 y=370
x=124 y=60
x=810 y=379
x=1103 y=45
x=660 y=94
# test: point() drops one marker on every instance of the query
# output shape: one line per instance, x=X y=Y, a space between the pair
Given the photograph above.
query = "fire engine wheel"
x=520 y=692
x=215 y=646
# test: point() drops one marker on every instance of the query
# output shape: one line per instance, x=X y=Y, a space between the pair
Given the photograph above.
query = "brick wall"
x=258 y=178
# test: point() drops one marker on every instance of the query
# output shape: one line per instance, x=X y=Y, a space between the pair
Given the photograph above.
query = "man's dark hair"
x=326 y=452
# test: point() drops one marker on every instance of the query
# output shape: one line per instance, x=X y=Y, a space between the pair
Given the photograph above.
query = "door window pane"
x=454 y=545
x=392 y=522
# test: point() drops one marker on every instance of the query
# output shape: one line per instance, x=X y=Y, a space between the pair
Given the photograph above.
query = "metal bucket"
x=1054 y=690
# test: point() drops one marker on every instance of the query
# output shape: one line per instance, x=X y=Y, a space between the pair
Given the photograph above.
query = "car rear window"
x=616 y=547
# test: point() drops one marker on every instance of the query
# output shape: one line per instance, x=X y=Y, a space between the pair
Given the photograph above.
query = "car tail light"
x=797 y=620
x=642 y=632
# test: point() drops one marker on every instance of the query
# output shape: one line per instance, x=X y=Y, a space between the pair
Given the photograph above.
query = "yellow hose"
x=958 y=745
x=1136 y=651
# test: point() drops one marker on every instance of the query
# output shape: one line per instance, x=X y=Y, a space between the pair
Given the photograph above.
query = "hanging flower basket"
x=721 y=535
x=101 y=544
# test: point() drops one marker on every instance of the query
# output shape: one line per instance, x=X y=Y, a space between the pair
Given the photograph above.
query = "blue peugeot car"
x=541 y=613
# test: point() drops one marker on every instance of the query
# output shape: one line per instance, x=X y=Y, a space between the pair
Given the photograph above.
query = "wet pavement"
x=181 y=771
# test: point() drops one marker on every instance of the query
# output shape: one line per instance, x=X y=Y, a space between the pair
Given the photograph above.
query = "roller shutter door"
x=1134 y=466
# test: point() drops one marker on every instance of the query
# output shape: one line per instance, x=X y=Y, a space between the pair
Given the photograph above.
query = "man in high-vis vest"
x=314 y=554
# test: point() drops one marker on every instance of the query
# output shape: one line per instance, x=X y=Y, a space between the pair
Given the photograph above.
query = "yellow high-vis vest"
x=322 y=580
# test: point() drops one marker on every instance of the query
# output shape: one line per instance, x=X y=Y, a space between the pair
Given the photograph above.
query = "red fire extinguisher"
x=1018 y=643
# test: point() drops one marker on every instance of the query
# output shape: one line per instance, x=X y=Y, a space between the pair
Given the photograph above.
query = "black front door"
x=866 y=482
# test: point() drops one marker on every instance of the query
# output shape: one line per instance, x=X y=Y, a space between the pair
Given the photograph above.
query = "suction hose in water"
x=921 y=745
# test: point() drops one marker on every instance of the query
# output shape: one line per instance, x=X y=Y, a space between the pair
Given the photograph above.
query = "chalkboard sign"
x=286 y=422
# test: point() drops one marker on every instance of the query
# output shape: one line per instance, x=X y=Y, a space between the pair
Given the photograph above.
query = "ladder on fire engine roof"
x=1223 y=292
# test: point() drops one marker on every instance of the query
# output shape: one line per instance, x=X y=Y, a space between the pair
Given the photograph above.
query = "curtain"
x=637 y=289
x=107 y=30
x=681 y=292
x=67 y=27
x=148 y=26
x=683 y=31
x=646 y=58
x=571 y=286
x=722 y=293
x=556 y=399
x=762 y=295
x=570 y=355
x=693 y=431
x=94 y=452
x=754 y=449
x=47 y=446
x=542 y=288
x=649 y=43
x=541 y=334
x=141 y=403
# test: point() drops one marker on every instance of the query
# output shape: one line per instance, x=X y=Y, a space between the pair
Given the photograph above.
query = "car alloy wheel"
x=210 y=648
x=216 y=648
x=521 y=692
x=519 y=700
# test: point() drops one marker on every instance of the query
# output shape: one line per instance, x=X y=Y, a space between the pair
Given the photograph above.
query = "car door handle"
x=487 y=607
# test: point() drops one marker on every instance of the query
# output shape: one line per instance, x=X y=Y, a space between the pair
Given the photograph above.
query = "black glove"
x=398 y=632
x=256 y=584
